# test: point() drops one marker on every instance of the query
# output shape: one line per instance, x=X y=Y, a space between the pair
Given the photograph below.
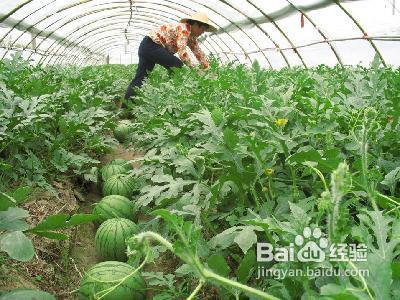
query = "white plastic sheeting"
x=277 y=33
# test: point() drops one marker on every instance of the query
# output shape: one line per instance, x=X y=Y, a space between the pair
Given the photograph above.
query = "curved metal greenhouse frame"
x=91 y=31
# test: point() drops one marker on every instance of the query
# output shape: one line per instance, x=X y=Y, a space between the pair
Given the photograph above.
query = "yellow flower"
x=269 y=171
x=281 y=122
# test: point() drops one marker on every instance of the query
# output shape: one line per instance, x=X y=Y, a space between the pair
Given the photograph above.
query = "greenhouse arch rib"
x=35 y=24
x=227 y=32
x=319 y=31
x=163 y=5
x=106 y=27
x=280 y=30
x=167 y=6
x=89 y=13
x=362 y=31
x=93 y=31
x=265 y=33
x=18 y=7
x=14 y=10
x=23 y=19
x=18 y=24
x=90 y=23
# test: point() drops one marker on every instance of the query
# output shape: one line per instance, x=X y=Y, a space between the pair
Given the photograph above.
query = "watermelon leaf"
x=246 y=266
x=17 y=246
x=63 y=221
x=218 y=264
x=26 y=294
x=10 y=220
x=6 y=201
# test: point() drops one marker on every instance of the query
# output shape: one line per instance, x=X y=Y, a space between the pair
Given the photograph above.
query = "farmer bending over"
x=160 y=45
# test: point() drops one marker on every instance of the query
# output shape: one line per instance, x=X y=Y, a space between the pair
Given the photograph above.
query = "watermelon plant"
x=110 y=238
x=68 y=110
x=236 y=156
x=187 y=248
x=99 y=282
x=256 y=156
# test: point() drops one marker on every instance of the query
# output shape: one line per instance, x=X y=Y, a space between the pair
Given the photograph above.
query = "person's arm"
x=201 y=57
x=182 y=40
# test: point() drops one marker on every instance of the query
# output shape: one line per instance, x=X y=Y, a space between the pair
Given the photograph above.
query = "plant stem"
x=157 y=237
x=320 y=175
x=196 y=291
x=105 y=292
x=208 y=274
x=204 y=218
x=254 y=193
x=292 y=172
x=204 y=272
x=364 y=160
x=271 y=193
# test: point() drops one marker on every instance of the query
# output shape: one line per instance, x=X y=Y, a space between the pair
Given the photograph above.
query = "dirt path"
x=58 y=266
x=84 y=248
x=120 y=152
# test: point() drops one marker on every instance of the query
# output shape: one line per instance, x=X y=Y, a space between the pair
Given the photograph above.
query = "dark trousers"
x=150 y=54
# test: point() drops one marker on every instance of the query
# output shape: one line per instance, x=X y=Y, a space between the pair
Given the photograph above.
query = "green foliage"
x=250 y=155
x=27 y=294
x=232 y=156
x=52 y=120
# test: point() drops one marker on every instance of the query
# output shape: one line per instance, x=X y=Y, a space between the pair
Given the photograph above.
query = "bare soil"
x=58 y=266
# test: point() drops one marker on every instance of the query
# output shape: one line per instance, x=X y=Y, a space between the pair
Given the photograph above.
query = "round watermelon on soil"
x=110 y=170
x=122 y=131
x=120 y=184
x=114 y=206
x=110 y=238
x=98 y=278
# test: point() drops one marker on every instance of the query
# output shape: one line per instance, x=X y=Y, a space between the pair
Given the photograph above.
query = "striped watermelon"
x=122 y=131
x=114 y=206
x=98 y=278
x=110 y=238
x=119 y=184
x=110 y=170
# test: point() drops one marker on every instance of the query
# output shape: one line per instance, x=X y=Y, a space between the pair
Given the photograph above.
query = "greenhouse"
x=164 y=149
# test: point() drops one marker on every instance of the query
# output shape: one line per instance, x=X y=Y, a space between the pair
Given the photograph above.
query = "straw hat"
x=200 y=17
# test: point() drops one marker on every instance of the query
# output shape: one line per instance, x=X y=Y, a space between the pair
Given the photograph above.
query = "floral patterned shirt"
x=175 y=37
